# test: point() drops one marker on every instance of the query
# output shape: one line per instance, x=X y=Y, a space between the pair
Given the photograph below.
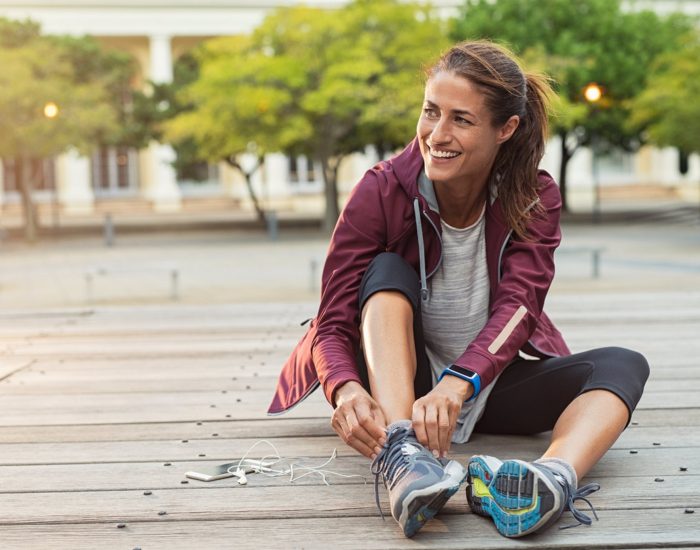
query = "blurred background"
x=155 y=150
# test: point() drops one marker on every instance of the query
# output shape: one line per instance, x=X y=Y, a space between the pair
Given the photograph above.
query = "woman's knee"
x=633 y=363
x=389 y=278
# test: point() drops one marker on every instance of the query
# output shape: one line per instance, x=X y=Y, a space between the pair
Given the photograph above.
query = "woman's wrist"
x=463 y=388
x=345 y=390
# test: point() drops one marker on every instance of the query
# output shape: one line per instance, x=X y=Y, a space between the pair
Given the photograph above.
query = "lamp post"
x=593 y=93
x=51 y=111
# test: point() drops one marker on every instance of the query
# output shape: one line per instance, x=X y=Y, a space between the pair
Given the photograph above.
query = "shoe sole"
x=518 y=497
x=423 y=505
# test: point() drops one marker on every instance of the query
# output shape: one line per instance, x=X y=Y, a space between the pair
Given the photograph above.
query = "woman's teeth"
x=443 y=154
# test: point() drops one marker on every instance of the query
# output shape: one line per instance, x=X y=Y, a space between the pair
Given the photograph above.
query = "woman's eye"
x=461 y=120
x=429 y=113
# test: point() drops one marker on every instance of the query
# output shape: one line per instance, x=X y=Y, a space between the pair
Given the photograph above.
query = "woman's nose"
x=440 y=132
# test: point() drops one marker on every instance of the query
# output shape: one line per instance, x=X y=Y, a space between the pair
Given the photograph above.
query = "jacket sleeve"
x=359 y=236
x=527 y=270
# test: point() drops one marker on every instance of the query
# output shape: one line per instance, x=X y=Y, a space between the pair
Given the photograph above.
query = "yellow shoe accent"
x=479 y=488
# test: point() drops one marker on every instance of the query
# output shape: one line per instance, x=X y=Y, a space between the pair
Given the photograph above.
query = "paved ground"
x=106 y=405
x=229 y=266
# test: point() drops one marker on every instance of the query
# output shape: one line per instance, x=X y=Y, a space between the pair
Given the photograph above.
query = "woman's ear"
x=508 y=129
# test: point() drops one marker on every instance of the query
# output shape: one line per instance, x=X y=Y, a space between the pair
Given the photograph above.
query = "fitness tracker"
x=464 y=374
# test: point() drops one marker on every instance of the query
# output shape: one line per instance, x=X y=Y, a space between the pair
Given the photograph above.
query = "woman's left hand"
x=435 y=414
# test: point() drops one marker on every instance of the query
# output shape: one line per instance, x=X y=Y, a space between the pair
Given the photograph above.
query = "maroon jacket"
x=381 y=215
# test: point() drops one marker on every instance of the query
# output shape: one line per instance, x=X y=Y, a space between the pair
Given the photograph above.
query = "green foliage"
x=578 y=43
x=669 y=106
x=312 y=81
x=85 y=82
x=35 y=73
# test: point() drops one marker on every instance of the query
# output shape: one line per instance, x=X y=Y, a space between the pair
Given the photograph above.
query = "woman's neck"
x=460 y=204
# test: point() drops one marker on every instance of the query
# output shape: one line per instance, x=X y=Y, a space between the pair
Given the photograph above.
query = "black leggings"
x=530 y=394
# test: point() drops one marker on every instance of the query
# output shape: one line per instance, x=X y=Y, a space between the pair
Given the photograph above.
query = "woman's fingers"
x=431 y=428
x=357 y=426
x=444 y=431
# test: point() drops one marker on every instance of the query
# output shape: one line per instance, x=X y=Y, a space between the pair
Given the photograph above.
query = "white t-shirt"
x=457 y=308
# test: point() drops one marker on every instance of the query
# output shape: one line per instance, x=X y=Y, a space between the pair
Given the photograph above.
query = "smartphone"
x=220 y=471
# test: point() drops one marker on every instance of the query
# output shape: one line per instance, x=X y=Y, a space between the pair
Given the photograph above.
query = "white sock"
x=562 y=467
x=399 y=424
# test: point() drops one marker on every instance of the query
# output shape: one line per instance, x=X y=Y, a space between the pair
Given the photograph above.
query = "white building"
x=156 y=32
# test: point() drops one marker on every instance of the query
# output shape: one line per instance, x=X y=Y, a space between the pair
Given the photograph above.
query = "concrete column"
x=161 y=185
x=276 y=176
x=73 y=183
x=2 y=183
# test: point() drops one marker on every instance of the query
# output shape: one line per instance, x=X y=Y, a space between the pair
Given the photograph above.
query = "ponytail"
x=517 y=163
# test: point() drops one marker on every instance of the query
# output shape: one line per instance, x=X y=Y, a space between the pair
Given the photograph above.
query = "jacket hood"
x=407 y=166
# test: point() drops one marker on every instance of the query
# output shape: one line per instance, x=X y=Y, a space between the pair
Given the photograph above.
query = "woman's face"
x=457 y=139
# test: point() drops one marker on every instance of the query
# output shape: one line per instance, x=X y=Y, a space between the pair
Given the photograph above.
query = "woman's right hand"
x=358 y=419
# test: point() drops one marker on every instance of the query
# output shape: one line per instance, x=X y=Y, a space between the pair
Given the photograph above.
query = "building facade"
x=157 y=32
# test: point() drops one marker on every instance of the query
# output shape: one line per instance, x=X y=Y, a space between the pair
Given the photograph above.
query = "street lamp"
x=50 y=110
x=593 y=93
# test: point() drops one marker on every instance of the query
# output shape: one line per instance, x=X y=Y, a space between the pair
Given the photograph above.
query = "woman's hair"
x=508 y=91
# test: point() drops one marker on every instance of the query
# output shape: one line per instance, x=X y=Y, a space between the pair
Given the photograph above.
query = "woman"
x=431 y=326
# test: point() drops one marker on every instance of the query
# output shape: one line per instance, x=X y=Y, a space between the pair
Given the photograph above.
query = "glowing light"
x=593 y=93
x=50 y=110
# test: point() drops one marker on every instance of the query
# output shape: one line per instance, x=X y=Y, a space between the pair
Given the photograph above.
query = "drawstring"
x=421 y=251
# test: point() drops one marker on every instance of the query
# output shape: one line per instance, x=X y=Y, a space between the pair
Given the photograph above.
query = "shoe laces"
x=390 y=463
x=579 y=494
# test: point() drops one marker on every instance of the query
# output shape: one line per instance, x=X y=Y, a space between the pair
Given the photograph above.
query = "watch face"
x=464 y=372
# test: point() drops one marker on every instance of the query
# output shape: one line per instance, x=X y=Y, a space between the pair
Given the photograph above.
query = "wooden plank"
x=618 y=472
x=649 y=457
x=651 y=425
x=202 y=406
x=268 y=427
x=281 y=502
x=642 y=529
x=164 y=407
x=33 y=383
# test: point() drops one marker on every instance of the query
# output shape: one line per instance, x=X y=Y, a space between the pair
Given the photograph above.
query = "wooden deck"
x=103 y=411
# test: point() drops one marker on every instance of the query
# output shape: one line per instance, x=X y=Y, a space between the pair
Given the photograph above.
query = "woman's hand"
x=358 y=419
x=435 y=414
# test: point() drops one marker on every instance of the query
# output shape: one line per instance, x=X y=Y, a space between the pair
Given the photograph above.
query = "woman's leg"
x=587 y=428
x=587 y=399
x=394 y=368
x=387 y=341
x=392 y=362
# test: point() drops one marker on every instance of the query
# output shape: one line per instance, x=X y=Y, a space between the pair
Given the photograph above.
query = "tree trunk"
x=248 y=176
x=330 y=181
x=566 y=155
x=31 y=222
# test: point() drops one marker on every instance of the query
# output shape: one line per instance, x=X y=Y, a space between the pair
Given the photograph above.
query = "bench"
x=91 y=274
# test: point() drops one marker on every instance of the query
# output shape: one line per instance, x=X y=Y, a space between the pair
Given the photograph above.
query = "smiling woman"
x=434 y=284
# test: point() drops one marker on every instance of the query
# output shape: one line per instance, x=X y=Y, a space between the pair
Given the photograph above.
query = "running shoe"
x=419 y=484
x=523 y=497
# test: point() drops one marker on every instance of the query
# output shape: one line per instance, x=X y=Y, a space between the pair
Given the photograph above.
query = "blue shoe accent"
x=521 y=497
x=419 y=484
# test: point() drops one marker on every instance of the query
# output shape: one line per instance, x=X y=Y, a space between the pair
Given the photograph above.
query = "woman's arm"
x=527 y=270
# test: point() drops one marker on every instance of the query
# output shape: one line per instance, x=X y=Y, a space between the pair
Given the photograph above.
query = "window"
x=42 y=173
x=114 y=170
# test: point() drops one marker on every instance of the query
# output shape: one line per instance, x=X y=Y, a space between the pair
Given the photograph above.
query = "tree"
x=55 y=93
x=579 y=43
x=669 y=105
x=308 y=83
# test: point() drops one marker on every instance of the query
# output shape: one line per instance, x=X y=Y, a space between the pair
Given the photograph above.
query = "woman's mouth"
x=442 y=153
